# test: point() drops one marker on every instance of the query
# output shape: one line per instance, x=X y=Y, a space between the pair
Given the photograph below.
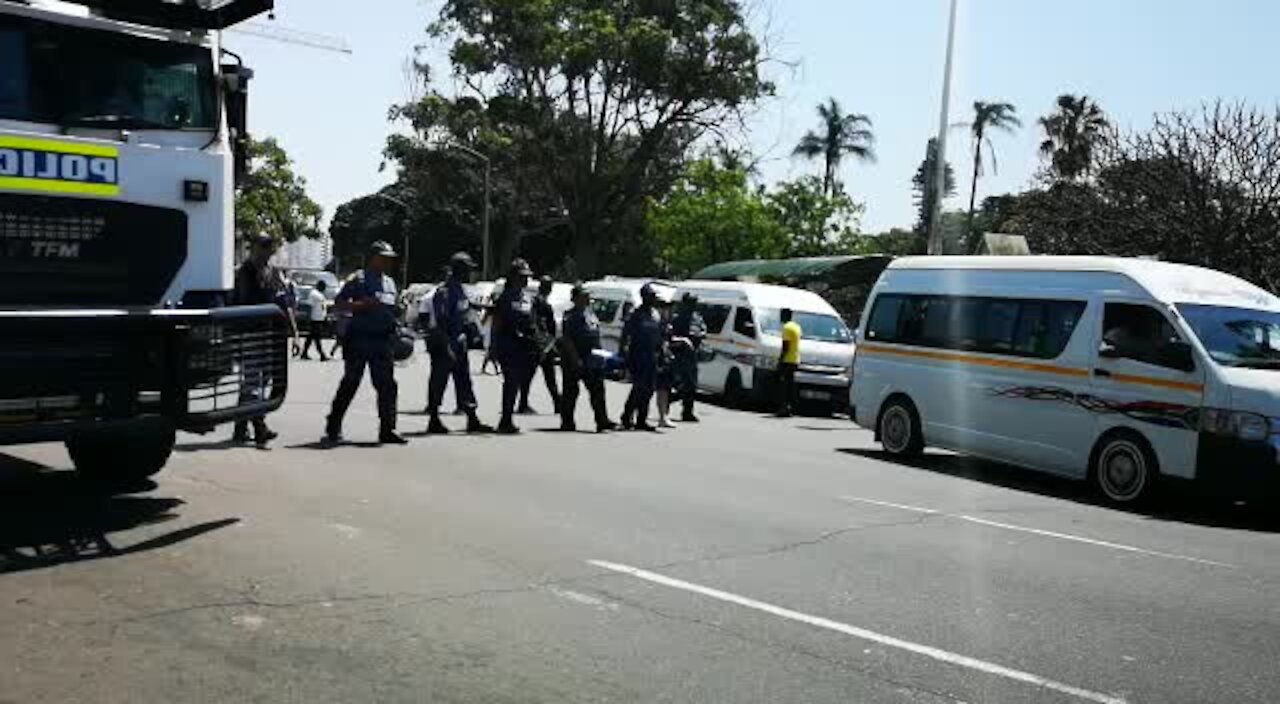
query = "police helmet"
x=461 y=261
x=519 y=267
x=382 y=249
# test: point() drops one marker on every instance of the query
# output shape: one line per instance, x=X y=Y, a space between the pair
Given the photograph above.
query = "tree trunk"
x=586 y=252
x=973 y=196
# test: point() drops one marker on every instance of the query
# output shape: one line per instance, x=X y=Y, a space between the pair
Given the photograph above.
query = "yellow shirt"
x=791 y=336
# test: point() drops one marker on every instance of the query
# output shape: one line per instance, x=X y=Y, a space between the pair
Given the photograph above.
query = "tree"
x=712 y=215
x=816 y=224
x=272 y=199
x=595 y=103
x=987 y=117
x=842 y=135
x=1072 y=135
x=923 y=186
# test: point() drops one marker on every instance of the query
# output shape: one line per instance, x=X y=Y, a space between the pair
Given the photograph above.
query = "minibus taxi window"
x=715 y=316
x=744 y=323
x=1236 y=337
x=605 y=309
x=1137 y=332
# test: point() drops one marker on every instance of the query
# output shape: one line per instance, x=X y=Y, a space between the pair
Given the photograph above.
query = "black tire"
x=122 y=458
x=1123 y=468
x=898 y=428
x=734 y=395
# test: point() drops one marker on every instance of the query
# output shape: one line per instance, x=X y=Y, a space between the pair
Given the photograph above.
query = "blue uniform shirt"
x=582 y=330
x=451 y=309
x=513 y=322
x=643 y=333
x=376 y=323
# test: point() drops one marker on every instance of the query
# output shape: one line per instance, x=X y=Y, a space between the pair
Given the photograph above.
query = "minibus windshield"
x=814 y=326
x=1236 y=337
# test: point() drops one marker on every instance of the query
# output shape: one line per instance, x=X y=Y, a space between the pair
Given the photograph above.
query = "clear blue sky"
x=880 y=57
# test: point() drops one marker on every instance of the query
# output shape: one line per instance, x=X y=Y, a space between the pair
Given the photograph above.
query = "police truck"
x=122 y=135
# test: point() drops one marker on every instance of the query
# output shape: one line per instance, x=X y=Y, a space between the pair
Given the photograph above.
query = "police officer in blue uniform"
x=370 y=297
x=688 y=331
x=514 y=340
x=544 y=325
x=448 y=343
x=641 y=340
x=582 y=365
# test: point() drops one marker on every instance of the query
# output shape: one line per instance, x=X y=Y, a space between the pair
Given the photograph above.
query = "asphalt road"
x=746 y=559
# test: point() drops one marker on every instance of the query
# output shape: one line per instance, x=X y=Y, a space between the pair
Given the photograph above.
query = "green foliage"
x=817 y=224
x=272 y=199
x=585 y=106
x=1072 y=135
x=922 y=184
x=710 y=216
x=843 y=134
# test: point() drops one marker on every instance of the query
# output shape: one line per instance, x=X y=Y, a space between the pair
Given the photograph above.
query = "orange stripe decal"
x=980 y=361
x=1161 y=383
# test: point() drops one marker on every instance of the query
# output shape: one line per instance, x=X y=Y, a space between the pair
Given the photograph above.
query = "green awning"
x=835 y=272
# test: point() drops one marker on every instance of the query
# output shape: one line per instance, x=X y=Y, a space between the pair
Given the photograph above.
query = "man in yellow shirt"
x=788 y=361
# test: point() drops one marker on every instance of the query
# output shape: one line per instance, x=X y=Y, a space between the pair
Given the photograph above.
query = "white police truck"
x=122 y=126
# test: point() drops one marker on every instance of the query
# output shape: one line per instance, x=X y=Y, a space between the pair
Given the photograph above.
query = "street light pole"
x=485 y=254
x=936 y=244
x=404 y=256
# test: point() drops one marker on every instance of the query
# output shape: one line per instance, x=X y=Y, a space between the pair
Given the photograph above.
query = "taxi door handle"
x=1101 y=373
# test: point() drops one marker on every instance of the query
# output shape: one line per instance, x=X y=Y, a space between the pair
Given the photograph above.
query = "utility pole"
x=936 y=244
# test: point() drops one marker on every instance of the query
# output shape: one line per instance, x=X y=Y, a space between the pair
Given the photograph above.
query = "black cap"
x=689 y=297
x=648 y=292
x=461 y=260
x=382 y=249
x=578 y=290
x=519 y=267
x=264 y=241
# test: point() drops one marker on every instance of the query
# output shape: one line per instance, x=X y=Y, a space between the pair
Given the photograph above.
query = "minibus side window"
x=885 y=314
x=605 y=309
x=744 y=323
x=715 y=316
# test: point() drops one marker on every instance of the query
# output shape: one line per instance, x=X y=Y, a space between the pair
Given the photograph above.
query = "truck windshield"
x=72 y=76
x=813 y=326
x=1236 y=337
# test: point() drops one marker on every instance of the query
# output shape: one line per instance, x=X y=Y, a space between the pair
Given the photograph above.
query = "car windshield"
x=813 y=326
x=73 y=76
x=1236 y=337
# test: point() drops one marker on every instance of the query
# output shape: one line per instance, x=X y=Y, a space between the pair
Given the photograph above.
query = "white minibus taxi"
x=1124 y=372
x=744 y=342
x=613 y=299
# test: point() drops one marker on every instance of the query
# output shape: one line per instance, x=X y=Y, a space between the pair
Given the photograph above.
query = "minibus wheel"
x=1124 y=468
x=899 y=428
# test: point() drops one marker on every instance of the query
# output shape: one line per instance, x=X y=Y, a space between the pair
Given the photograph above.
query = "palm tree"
x=987 y=117
x=842 y=135
x=1071 y=134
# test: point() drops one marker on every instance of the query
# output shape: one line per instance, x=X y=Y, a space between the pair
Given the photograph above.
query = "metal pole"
x=484 y=234
x=936 y=244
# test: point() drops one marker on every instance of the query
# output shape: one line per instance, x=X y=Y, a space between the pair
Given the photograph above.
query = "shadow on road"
x=1182 y=506
x=48 y=517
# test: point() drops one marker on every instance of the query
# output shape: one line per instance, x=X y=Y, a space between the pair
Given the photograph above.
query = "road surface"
x=745 y=559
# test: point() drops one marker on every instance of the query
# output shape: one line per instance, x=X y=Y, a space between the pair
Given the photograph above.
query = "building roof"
x=186 y=14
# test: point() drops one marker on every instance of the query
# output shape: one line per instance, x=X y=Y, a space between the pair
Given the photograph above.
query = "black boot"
x=390 y=437
x=436 y=427
x=507 y=427
x=475 y=427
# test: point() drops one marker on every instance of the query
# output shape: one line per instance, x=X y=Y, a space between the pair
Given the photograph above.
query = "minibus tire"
x=901 y=413
x=1124 y=450
x=735 y=396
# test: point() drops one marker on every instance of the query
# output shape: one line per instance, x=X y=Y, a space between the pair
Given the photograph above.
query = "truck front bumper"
x=64 y=371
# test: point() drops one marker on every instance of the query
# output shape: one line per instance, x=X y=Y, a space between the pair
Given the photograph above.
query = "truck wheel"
x=899 y=428
x=123 y=458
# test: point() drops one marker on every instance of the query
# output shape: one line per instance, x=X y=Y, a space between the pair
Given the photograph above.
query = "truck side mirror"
x=235 y=91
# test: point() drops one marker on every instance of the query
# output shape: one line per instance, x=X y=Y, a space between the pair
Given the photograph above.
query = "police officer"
x=448 y=342
x=544 y=325
x=581 y=364
x=258 y=283
x=688 y=331
x=370 y=297
x=641 y=339
x=514 y=341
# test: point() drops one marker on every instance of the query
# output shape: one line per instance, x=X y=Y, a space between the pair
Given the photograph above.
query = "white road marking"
x=1091 y=541
x=1037 y=531
x=864 y=634
x=904 y=507
x=585 y=599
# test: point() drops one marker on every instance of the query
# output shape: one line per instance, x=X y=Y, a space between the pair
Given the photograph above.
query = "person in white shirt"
x=319 y=313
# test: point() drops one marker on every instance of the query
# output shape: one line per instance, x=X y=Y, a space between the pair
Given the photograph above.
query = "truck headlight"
x=1246 y=426
x=765 y=362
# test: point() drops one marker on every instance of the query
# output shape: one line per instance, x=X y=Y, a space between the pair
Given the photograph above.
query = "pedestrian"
x=486 y=323
x=259 y=283
x=544 y=326
x=370 y=297
x=582 y=363
x=641 y=336
x=688 y=332
x=449 y=343
x=665 y=378
x=317 y=314
x=513 y=340
x=788 y=362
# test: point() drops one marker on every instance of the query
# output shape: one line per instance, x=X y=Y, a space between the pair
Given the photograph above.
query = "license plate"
x=814 y=395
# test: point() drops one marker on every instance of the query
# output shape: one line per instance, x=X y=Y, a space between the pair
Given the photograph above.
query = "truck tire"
x=123 y=458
